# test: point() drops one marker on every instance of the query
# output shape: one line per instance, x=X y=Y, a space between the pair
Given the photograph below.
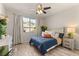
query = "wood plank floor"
x=27 y=50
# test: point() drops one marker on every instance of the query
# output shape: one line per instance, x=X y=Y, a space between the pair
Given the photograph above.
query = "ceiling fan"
x=40 y=9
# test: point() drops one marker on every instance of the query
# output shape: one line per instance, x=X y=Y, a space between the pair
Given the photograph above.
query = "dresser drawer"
x=66 y=45
x=65 y=41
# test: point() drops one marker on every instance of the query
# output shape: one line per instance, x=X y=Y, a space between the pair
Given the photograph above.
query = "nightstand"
x=69 y=43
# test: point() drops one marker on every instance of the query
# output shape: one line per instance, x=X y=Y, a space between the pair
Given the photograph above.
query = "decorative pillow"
x=61 y=35
x=50 y=32
x=46 y=35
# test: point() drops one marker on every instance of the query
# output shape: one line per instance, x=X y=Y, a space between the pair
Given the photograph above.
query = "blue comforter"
x=43 y=43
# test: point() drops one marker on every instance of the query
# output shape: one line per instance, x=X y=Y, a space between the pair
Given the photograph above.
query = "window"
x=29 y=24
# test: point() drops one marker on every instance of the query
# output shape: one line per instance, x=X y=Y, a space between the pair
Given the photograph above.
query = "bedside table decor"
x=71 y=35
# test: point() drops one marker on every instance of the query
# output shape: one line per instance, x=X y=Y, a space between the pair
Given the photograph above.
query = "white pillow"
x=56 y=35
x=53 y=33
x=48 y=32
x=42 y=34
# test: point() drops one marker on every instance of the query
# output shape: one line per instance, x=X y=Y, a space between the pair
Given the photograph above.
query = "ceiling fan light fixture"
x=39 y=11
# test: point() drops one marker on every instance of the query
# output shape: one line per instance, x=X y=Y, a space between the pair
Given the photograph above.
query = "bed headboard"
x=59 y=30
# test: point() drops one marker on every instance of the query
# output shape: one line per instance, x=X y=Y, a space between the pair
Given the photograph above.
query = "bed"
x=45 y=44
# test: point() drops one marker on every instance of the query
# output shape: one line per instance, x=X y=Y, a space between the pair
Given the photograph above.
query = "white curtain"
x=17 y=30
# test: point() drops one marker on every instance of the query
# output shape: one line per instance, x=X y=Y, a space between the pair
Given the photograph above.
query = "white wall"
x=10 y=24
x=25 y=36
x=66 y=18
x=2 y=9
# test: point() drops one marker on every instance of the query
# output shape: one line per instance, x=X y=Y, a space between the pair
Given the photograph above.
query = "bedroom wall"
x=25 y=35
x=2 y=9
x=66 y=18
x=10 y=24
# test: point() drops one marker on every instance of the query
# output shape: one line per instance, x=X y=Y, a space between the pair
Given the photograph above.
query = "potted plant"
x=71 y=35
x=3 y=26
x=4 y=51
x=43 y=28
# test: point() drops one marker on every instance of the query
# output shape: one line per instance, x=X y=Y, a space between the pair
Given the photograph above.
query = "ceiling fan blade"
x=44 y=12
x=47 y=8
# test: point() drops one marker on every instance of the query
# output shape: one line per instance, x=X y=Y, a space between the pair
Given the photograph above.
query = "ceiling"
x=29 y=9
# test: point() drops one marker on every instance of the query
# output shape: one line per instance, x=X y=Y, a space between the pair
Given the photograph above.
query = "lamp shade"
x=71 y=29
